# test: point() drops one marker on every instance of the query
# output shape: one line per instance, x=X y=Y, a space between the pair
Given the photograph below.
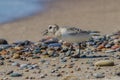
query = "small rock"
x=98 y=75
x=35 y=57
x=58 y=74
x=15 y=75
x=104 y=63
x=22 y=66
x=9 y=72
x=15 y=64
x=55 y=45
x=1 y=58
x=16 y=56
x=43 y=61
x=4 y=52
x=43 y=75
x=63 y=60
x=36 y=51
x=117 y=73
x=3 y=41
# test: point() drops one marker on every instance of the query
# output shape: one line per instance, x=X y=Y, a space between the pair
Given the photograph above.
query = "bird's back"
x=72 y=35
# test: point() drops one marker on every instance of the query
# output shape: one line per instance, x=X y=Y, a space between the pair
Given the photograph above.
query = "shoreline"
x=35 y=13
x=104 y=18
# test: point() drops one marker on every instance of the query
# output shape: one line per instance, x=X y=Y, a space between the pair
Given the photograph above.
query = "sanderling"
x=69 y=34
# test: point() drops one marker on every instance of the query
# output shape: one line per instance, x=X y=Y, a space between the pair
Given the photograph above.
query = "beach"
x=90 y=15
x=94 y=15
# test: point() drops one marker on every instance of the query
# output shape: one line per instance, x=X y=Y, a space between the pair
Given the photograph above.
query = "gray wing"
x=74 y=31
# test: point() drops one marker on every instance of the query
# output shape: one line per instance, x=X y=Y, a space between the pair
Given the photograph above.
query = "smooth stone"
x=18 y=48
x=104 y=63
x=117 y=73
x=55 y=45
x=5 y=46
x=16 y=56
x=3 y=41
x=15 y=64
x=36 y=51
x=108 y=46
x=42 y=61
x=98 y=75
x=53 y=71
x=22 y=66
x=9 y=72
x=35 y=57
x=43 y=75
x=58 y=74
x=1 y=58
x=63 y=60
x=4 y=52
x=15 y=75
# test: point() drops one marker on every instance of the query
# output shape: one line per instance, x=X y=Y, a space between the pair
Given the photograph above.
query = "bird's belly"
x=75 y=38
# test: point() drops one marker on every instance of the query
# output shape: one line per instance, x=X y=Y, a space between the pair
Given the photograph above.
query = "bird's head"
x=51 y=29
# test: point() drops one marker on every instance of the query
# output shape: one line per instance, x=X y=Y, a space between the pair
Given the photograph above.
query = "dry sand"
x=102 y=15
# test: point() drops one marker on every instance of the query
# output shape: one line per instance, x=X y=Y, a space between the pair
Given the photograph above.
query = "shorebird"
x=69 y=34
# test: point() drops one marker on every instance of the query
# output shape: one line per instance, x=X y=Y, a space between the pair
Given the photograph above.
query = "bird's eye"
x=50 y=27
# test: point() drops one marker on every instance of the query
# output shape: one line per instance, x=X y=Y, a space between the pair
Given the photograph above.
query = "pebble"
x=63 y=60
x=117 y=73
x=104 y=63
x=43 y=75
x=15 y=64
x=15 y=75
x=98 y=75
x=3 y=41
x=55 y=45
x=9 y=72
x=1 y=58
x=22 y=66
x=16 y=56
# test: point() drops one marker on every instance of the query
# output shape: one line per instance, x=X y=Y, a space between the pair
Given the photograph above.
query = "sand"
x=101 y=15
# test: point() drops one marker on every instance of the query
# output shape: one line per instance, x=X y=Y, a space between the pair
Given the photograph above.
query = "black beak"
x=45 y=32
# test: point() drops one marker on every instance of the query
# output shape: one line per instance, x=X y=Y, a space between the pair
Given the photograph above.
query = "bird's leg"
x=71 y=47
x=79 y=44
x=77 y=55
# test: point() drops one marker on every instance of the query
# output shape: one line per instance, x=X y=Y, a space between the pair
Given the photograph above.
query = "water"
x=15 y=9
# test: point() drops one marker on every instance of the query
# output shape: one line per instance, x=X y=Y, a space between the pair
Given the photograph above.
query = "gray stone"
x=22 y=66
x=98 y=75
x=15 y=75
x=15 y=64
